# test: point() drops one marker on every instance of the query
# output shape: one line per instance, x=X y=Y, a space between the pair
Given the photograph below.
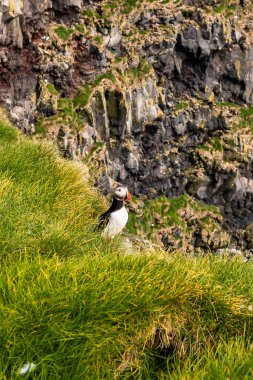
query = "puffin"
x=115 y=219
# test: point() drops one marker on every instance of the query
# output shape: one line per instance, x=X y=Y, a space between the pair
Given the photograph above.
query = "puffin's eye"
x=119 y=190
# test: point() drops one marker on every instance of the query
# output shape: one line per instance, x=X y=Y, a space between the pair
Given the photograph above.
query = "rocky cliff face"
x=17 y=16
x=157 y=95
x=27 y=53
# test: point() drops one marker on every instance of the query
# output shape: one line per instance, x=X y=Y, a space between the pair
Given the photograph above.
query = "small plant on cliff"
x=100 y=77
x=128 y=6
x=144 y=69
x=181 y=106
x=88 y=12
x=98 y=40
x=217 y=144
x=247 y=117
x=80 y=28
x=65 y=115
x=83 y=97
x=226 y=104
x=246 y=112
x=63 y=32
x=52 y=90
x=225 y=6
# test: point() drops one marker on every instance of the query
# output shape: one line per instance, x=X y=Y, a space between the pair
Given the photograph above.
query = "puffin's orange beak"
x=128 y=197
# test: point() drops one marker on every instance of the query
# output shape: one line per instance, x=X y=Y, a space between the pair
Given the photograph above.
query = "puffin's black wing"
x=104 y=218
x=117 y=204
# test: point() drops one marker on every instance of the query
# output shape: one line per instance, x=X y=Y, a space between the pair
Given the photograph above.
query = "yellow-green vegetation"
x=88 y=12
x=66 y=114
x=226 y=6
x=144 y=69
x=176 y=220
x=213 y=144
x=80 y=28
x=242 y=116
x=246 y=115
x=42 y=199
x=164 y=212
x=52 y=90
x=125 y=6
x=83 y=97
x=100 y=77
x=98 y=40
x=64 y=32
x=181 y=106
x=67 y=109
x=226 y=104
x=119 y=76
x=217 y=144
x=80 y=308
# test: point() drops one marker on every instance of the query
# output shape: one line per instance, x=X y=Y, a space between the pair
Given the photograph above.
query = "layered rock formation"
x=27 y=54
x=156 y=95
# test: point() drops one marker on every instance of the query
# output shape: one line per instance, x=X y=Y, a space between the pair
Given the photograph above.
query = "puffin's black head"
x=122 y=193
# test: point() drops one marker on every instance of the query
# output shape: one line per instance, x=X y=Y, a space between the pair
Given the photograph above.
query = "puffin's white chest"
x=117 y=221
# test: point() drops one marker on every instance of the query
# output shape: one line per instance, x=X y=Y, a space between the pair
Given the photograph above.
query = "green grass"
x=246 y=112
x=42 y=199
x=181 y=106
x=109 y=76
x=94 y=316
x=81 y=309
x=119 y=59
x=225 y=6
x=125 y=6
x=217 y=144
x=51 y=88
x=144 y=69
x=245 y=119
x=83 y=97
x=66 y=115
x=7 y=133
x=226 y=104
x=64 y=32
x=80 y=28
x=98 y=40
x=231 y=360
x=88 y=13
x=143 y=31
x=40 y=127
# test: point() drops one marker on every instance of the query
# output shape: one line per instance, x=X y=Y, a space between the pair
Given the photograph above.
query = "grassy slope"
x=46 y=204
x=80 y=309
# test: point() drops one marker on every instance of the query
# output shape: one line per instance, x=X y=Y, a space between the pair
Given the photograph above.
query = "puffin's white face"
x=122 y=193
